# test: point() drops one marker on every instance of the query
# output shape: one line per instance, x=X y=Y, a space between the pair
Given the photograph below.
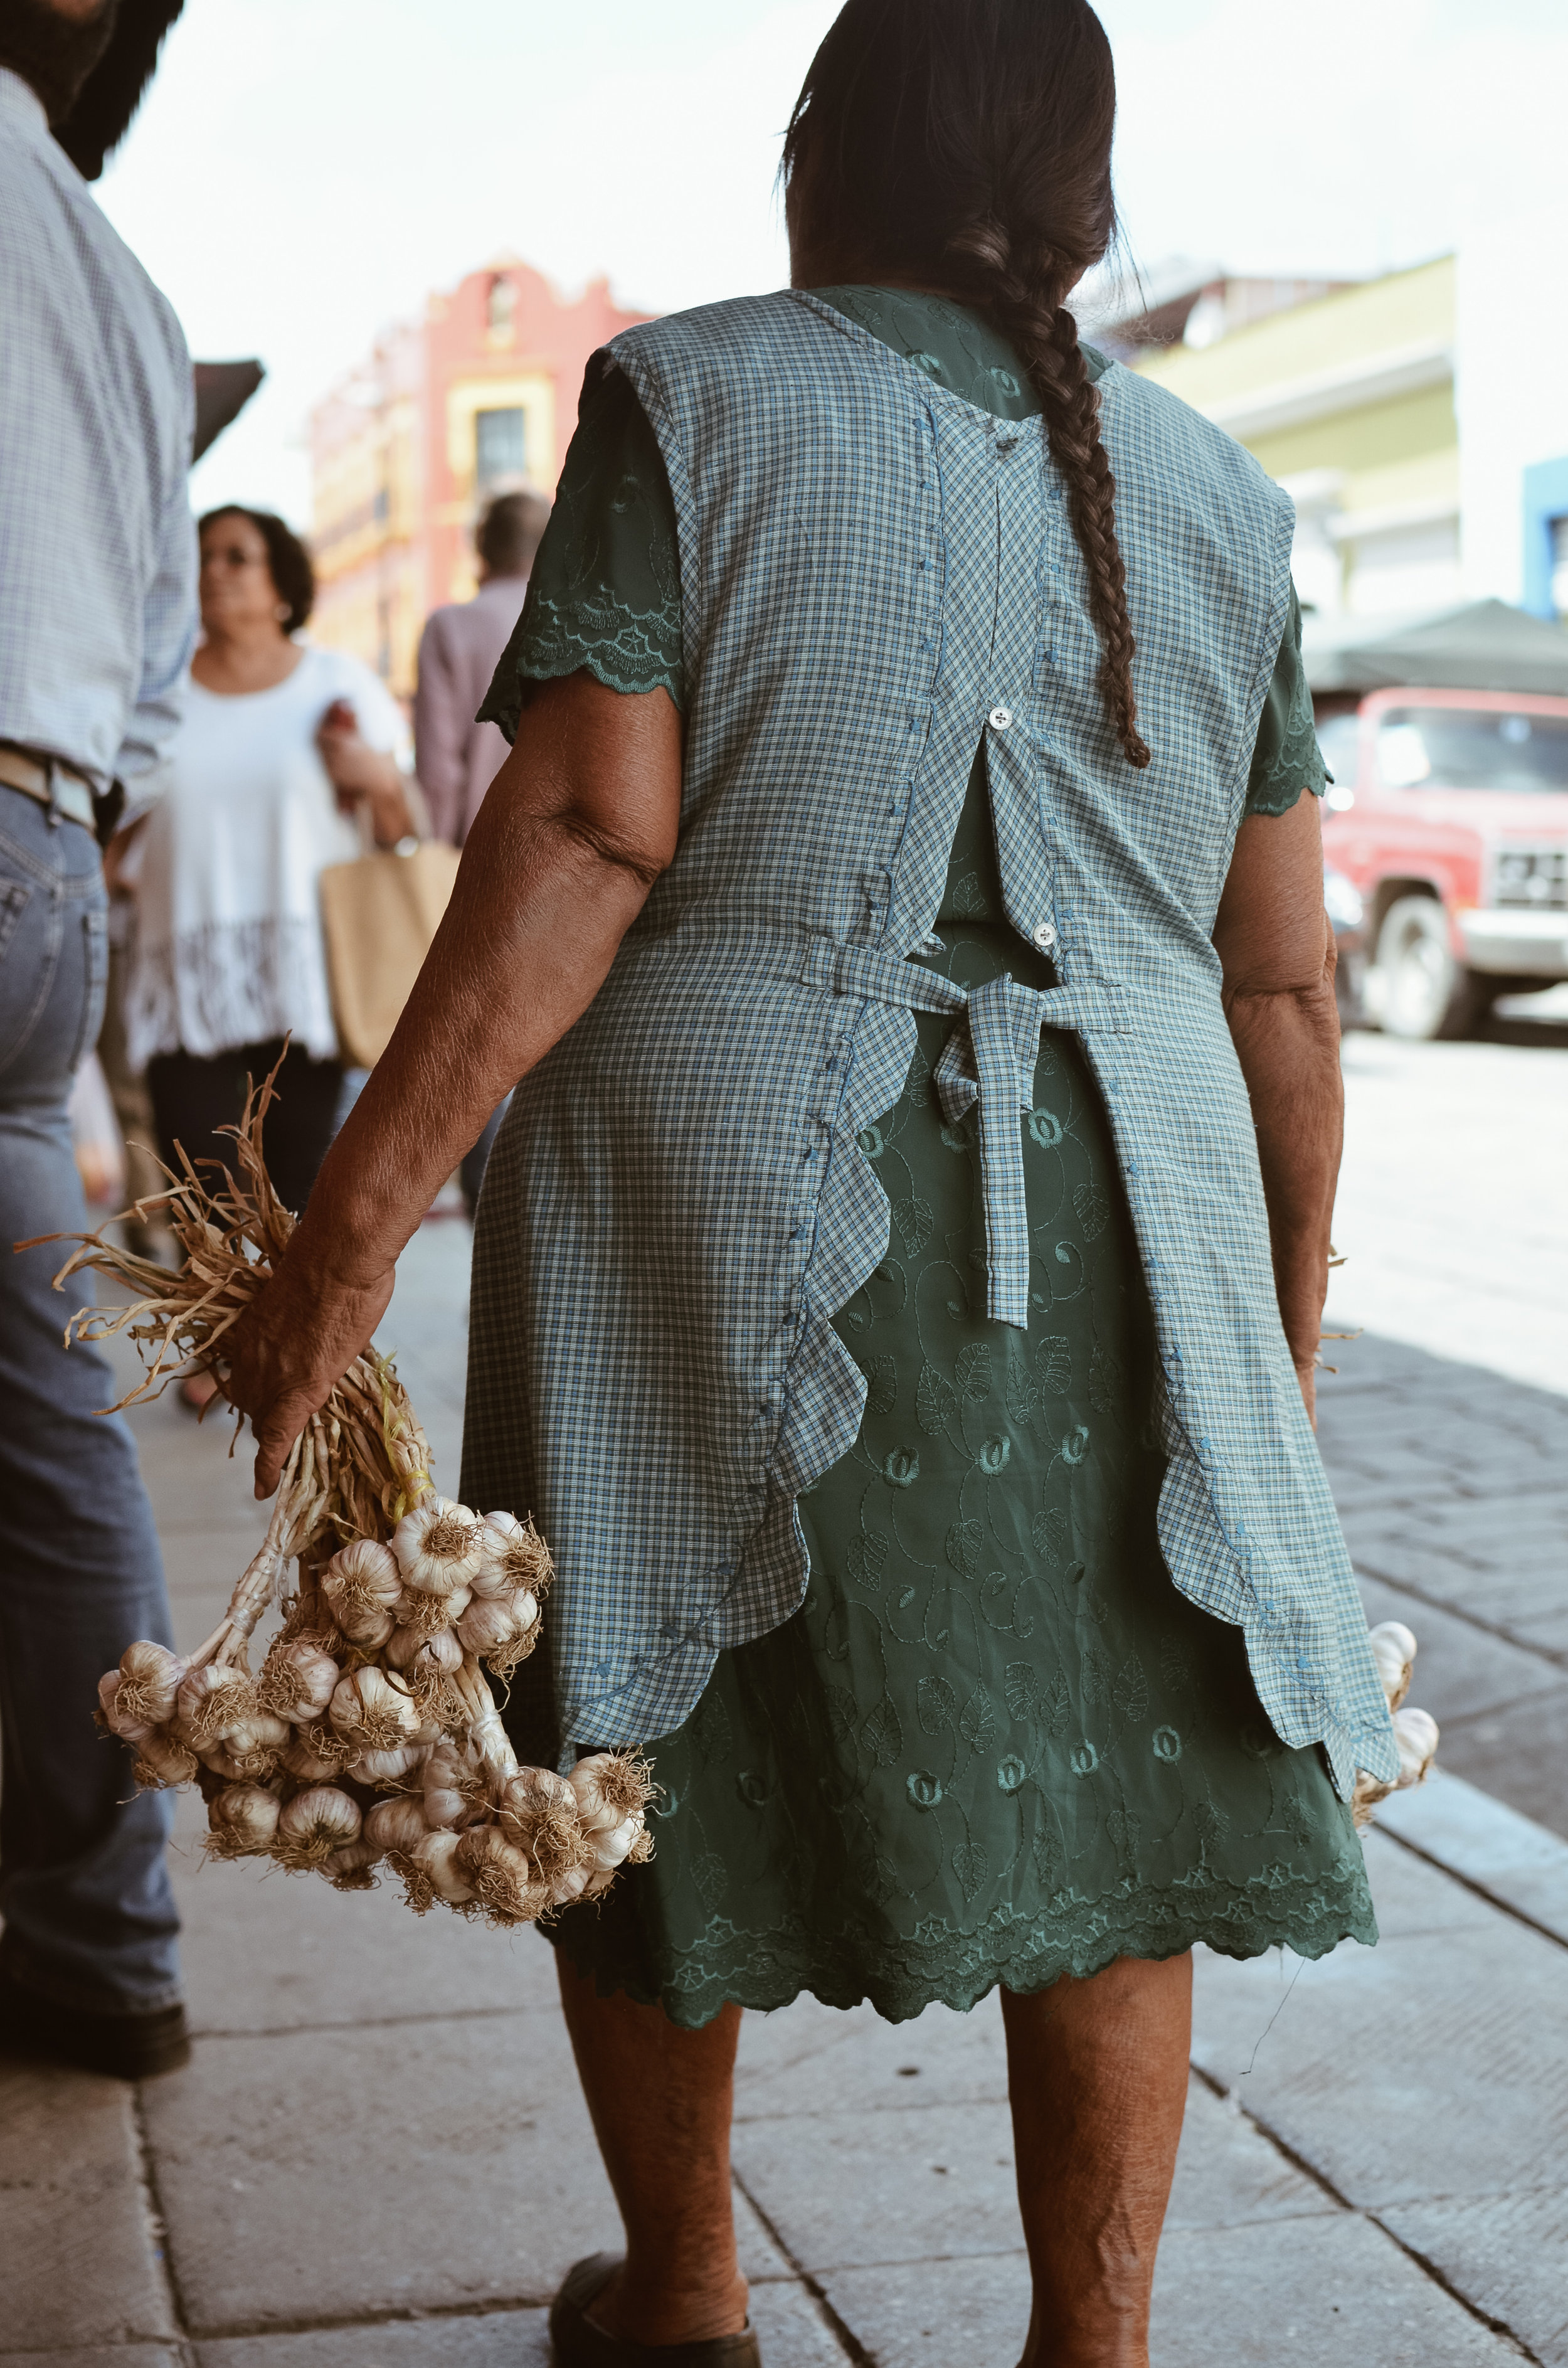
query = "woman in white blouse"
x=279 y=744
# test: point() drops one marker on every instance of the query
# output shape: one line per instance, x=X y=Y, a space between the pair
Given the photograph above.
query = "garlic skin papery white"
x=1394 y=1650
x=514 y=1556
x=434 y=1873
x=608 y=1787
x=1416 y=1734
x=306 y=1766
x=504 y=1882
x=253 y=1744
x=1415 y=1731
x=538 y=1810
x=612 y=1848
x=209 y=1702
x=112 y=1718
x=316 y=1823
x=297 y=1680
x=244 y=1822
x=373 y=1709
x=400 y=1767
x=454 y=1787
x=501 y=1629
x=412 y=1649
x=140 y=1693
x=161 y=1759
x=350 y=1868
x=396 y=1825
x=420 y=1616
x=439 y=1546
x=362 y=1584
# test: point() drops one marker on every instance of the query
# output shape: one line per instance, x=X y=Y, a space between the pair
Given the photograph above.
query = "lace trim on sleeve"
x=1287 y=759
x=626 y=649
x=605 y=592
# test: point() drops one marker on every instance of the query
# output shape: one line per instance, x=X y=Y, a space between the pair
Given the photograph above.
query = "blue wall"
x=1546 y=499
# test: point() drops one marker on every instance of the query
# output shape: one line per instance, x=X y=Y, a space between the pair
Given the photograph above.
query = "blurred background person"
x=97 y=622
x=455 y=755
x=282 y=746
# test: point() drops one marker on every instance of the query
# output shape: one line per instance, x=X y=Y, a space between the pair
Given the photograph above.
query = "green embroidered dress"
x=994 y=1743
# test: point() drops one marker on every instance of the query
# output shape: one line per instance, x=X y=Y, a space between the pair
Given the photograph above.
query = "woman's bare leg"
x=660 y=2100
x=1096 y=2072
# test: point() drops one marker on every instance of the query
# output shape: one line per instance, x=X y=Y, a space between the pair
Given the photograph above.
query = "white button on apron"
x=1000 y=718
x=1044 y=935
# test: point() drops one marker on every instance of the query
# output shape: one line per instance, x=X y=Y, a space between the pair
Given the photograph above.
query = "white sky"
x=304 y=171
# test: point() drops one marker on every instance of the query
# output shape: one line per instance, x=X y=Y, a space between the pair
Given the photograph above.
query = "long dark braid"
x=1045 y=336
x=965 y=145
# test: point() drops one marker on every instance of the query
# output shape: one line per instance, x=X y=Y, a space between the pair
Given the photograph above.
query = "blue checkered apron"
x=877 y=578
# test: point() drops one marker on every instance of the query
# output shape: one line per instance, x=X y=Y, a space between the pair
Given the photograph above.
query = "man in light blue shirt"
x=96 y=622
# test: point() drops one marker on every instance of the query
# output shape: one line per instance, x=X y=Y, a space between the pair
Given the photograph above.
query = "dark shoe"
x=579 y=2344
x=126 y=2046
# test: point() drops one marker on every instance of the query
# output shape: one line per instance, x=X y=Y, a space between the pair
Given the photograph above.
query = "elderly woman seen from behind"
x=902 y=909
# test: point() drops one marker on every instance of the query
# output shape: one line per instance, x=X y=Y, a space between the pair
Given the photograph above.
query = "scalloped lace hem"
x=940 y=1964
x=626 y=649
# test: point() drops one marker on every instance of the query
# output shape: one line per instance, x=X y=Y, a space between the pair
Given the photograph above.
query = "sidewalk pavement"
x=379 y=2157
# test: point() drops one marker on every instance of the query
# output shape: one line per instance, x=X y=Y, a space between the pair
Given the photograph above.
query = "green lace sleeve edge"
x=555 y=639
x=1296 y=766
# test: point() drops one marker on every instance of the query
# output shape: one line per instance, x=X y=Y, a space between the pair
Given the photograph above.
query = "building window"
x=499 y=446
x=500 y=306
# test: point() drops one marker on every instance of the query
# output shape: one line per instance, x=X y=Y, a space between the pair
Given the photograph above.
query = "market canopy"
x=1486 y=645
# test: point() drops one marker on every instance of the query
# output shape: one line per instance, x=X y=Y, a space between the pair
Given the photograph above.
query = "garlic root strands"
x=314 y=1825
x=161 y=1761
x=514 y=1556
x=140 y=1694
x=243 y=1822
x=374 y=1710
x=439 y=1546
x=211 y=1701
x=297 y=1680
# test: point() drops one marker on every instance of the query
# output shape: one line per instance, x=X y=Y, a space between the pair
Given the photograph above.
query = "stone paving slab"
x=266 y=1950
x=1461 y=1671
x=1312 y=2293
x=790 y=2325
x=1518 y=1753
x=1508 y=2253
x=80 y=2266
x=1432 y=2065
x=1505 y=1855
x=417 y=2166
x=937 y=2182
x=94 y=2355
x=813 y=2058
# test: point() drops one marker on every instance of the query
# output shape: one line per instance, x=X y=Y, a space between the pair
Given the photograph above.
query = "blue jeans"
x=89 y=1916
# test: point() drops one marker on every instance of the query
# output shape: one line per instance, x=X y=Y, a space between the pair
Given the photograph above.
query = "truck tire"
x=1418 y=989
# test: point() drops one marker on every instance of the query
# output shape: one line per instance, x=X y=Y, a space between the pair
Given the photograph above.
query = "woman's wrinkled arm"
x=1277 y=950
x=575 y=830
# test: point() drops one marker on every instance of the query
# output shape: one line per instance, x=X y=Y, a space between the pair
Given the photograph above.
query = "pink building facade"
x=478 y=398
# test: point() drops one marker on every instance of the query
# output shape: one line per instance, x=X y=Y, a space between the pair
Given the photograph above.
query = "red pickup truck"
x=1448 y=817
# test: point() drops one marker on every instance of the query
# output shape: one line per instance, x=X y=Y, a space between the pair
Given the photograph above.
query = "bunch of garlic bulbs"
x=369 y=1735
x=1415 y=1731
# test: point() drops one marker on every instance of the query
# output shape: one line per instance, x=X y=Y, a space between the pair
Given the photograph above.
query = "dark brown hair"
x=510 y=532
x=288 y=562
x=965 y=145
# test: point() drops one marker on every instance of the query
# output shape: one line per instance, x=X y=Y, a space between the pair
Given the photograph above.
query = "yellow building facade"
x=1348 y=402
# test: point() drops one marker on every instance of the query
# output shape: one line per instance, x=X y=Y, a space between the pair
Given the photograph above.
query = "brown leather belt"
x=50 y=780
